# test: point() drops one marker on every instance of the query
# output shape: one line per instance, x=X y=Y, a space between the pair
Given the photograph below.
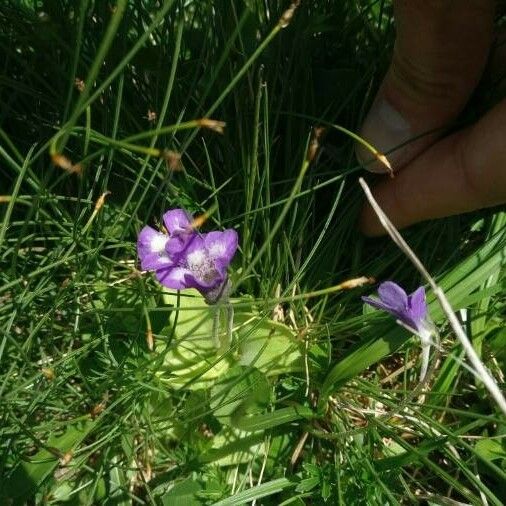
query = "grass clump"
x=111 y=389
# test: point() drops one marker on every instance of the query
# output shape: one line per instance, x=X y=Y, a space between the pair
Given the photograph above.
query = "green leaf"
x=497 y=344
x=468 y=276
x=118 y=483
x=385 y=341
x=192 y=354
x=29 y=475
x=193 y=360
x=263 y=490
x=241 y=387
x=308 y=484
x=273 y=419
x=232 y=447
x=491 y=449
x=184 y=494
x=269 y=346
x=311 y=468
x=408 y=458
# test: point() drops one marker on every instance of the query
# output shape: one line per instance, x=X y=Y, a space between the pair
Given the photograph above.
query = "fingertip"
x=387 y=131
x=461 y=173
x=434 y=69
x=366 y=161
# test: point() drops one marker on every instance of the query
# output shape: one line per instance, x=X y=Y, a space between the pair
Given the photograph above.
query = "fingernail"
x=385 y=129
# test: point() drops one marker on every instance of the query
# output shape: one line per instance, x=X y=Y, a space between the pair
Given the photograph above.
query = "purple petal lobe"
x=174 y=277
x=178 y=243
x=151 y=249
x=177 y=221
x=155 y=262
x=208 y=280
x=393 y=296
x=222 y=245
x=150 y=241
x=196 y=247
x=377 y=304
x=417 y=305
x=411 y=311
x=201 y=264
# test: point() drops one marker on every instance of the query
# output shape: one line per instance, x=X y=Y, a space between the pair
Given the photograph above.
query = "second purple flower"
x=410 y=311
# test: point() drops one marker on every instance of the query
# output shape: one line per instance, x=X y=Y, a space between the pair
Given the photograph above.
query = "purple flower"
x=184 y=258
x=411 y=310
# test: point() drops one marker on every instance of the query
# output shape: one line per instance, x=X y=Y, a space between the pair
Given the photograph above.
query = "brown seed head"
x=355 y=282
x=66 y=458
x=287 y=16
x=199 y=220
x=97 y=409
x=151 y=116
x=212 y=124
x=314 y=144
x=64 y=163
x=48 y=373
x=150 y=341
x=101 y=200
x=384 y=160
x=173 y=159
x=79 y=84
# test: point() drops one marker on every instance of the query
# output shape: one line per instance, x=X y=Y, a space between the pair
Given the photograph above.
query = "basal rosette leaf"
x=269 y=346
x=193 y=360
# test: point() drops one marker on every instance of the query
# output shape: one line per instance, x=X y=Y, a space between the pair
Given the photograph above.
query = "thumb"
x=460 y=173
x=439 y=56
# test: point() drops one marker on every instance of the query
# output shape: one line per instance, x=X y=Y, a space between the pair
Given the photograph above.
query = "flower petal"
x=417 y=305
x=177 y=220
x=196 y=249
x=176 y=278
x=222 y=246
x=177 y=244
x=151 y=241
x=151 y=249
x=156 y=261
x=197 y=260
x=411 y=311
x=378 y=305
x=210 y=280
x=393 y=296
x=403 y=316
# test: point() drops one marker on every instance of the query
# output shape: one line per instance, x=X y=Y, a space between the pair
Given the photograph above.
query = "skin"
x=440 y=54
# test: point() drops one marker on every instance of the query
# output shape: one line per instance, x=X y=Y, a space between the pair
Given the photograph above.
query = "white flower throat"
x=201 y=264
x=158 y=243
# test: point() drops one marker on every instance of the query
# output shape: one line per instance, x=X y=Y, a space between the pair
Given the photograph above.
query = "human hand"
x=440 y=53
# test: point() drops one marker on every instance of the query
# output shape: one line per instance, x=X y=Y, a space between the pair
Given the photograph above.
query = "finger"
x=435 y=67
x=463 y=172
